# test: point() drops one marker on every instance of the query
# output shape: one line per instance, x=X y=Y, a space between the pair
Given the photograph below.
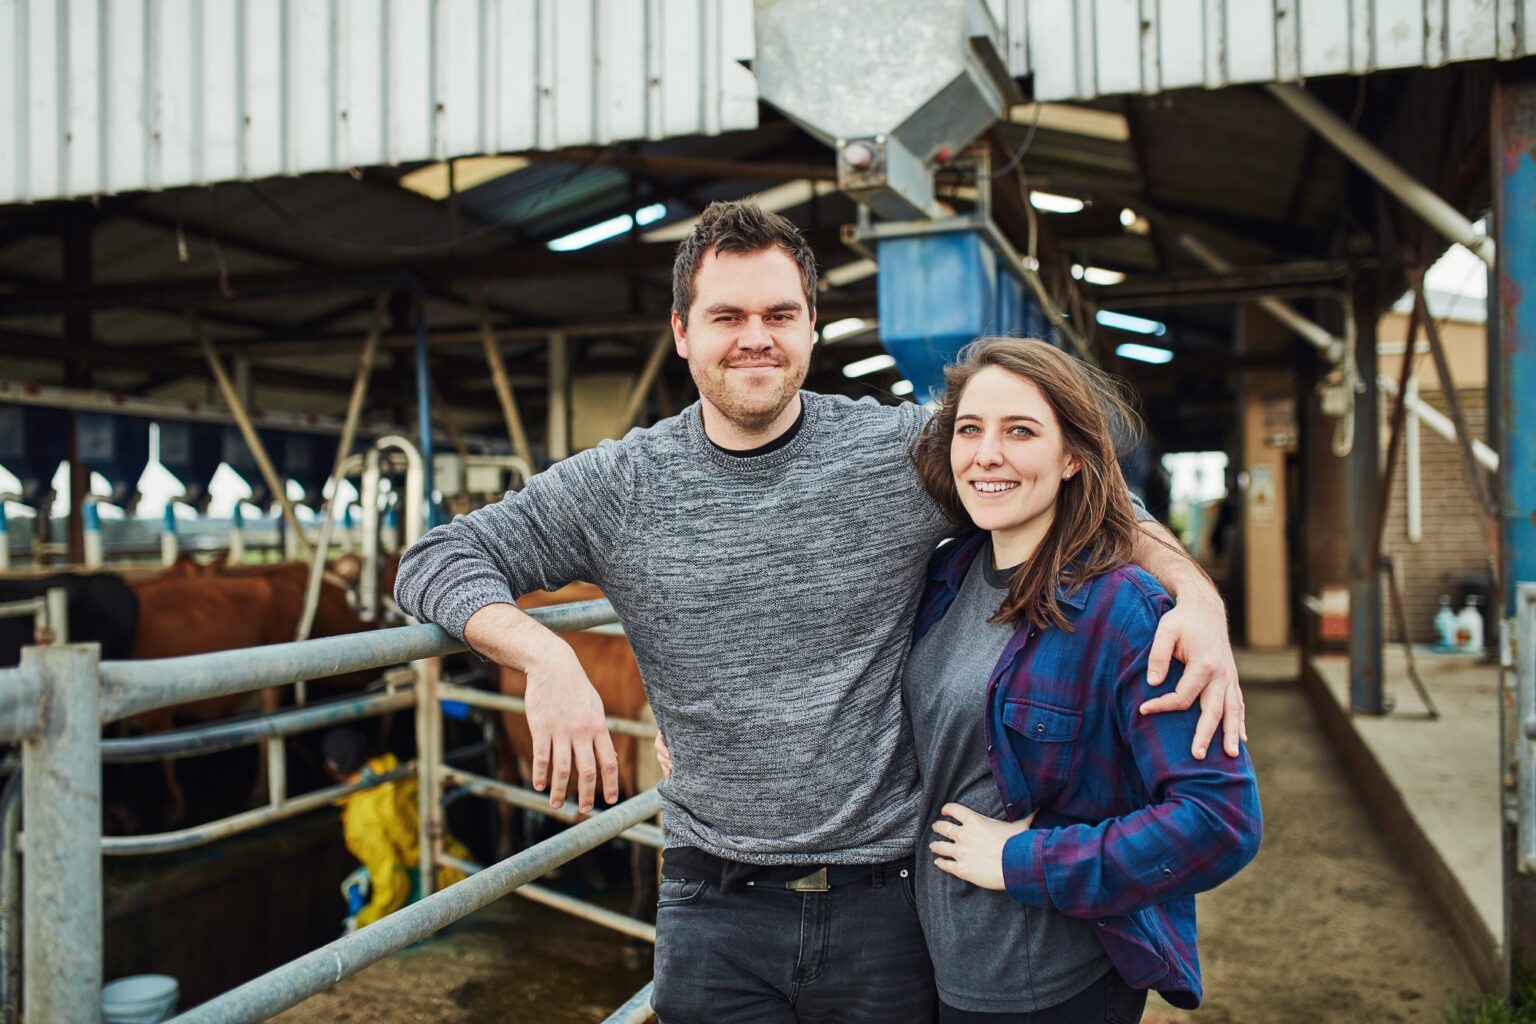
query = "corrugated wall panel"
x=1079 y=49
x=100 y=96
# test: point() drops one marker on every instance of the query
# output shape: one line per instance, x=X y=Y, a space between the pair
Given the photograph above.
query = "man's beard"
x=748 y=410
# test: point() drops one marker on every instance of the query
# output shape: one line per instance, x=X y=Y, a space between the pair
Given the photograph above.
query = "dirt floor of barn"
x=1326 y=925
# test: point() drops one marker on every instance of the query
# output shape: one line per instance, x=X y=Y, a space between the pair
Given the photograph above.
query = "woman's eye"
x=967 y=429
x=1022 y=432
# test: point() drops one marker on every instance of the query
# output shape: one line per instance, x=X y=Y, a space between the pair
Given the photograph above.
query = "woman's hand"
x=973 y=850
x=663 y=755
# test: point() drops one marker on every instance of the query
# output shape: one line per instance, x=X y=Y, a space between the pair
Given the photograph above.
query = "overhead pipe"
x=424 y=404
x=1440 y=423
x=1438 y=213
x=1319 y=337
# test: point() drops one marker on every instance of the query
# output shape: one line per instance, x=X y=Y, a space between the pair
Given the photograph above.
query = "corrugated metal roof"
x=150 y=94
x=1080 y=49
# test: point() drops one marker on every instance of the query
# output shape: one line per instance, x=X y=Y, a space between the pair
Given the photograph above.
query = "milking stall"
x=284 y=284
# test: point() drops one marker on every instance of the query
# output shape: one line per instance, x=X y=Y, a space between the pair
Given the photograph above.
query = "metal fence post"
x=429 y=804
x=61 y=812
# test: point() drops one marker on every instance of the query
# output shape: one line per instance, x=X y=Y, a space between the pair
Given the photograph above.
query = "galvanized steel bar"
x=133 y=687
x=528 y=800
x=424 y=407
x=368 y=580
x=1437 y=421
x=200 y=835
x=61 y=886
x=56 y=601
x=198 y=740
x=507 y=702
x=610 y=919
x=637 y=1010
x=1362 y=484
x=314 y=972
x=429 y=803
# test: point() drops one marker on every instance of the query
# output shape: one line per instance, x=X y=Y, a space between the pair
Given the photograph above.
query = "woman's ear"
x=1072 y=467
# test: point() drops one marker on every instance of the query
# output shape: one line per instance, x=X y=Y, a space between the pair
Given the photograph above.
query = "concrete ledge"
x=1390 y=806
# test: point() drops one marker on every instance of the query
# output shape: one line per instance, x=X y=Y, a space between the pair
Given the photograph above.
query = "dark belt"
x=689 y=862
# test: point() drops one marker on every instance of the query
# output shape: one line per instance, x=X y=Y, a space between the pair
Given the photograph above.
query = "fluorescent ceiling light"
x=842 y=328
x=610 y=228
x=1052 y=203
x=1098 y=275
x=468 y=171
x=1143 y=353
x=901 y=387
x=848 y=273
x=863 y=367
x=1134 y=324
x=1127 y=217
x=776 y=199
x=1062 y=117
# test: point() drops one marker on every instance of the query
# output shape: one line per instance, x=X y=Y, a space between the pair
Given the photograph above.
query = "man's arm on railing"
x=565 y=713
x=563 y=526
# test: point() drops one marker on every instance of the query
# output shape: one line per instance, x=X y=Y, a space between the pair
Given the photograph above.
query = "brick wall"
x=1451 y=553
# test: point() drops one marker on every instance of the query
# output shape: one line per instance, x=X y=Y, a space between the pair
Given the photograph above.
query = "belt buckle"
x=816 y=881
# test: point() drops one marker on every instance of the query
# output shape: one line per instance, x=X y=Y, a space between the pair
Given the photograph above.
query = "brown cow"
x=610 y=664
x=199 y=610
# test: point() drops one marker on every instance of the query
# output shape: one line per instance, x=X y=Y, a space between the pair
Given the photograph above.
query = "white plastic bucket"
x=139 y=999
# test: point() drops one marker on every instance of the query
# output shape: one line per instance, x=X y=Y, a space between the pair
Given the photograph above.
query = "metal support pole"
x=1361 y=487
x=61 y=806
x=557 y=442
x=424 y=407
x=1309 y=331
x=1512 y=381
x=10 y=900
x=646 y=381
x=248 y=431
x=368 y=581
x=1438 y=213
x=1413 y=477
x=429 y=804
x=503 y=384
x=1399 y=420
x=57 y=603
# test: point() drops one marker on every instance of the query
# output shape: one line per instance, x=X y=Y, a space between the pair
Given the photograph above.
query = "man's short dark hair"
x=741 y=228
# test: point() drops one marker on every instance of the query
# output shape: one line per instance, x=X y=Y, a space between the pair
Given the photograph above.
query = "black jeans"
x=852 y=955
x=1109 y=1000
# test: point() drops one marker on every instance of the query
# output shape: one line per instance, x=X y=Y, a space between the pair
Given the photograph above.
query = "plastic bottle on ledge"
x=1469 y=627
x=1445 y=625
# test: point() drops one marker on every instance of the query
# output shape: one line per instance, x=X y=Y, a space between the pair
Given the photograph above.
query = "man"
x=766 y=549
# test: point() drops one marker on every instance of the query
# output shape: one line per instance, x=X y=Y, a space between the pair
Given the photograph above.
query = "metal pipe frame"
x=528 y=800
x=368 y=578
x=10 y=900
x=517 y=434
x=637 y=1010
x=424 y=406
x=196 y=741
x=133 y=687
x=319 y=970
x=622 y=923
x=415 y=483
x=506 y=702
x=61 y=886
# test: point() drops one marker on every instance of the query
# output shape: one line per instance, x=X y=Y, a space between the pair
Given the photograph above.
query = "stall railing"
x=55 y=703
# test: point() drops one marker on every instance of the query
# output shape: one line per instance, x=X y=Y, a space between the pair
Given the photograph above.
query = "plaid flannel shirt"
x=1129 y=825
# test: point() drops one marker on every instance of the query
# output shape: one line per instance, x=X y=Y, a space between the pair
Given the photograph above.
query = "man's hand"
x=565 y=713
x=565 y=716
x=663 y=755
x=973 y=846
x=1195 y=632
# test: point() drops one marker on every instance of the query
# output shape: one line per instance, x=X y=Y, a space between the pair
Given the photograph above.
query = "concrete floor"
x=1444 y=771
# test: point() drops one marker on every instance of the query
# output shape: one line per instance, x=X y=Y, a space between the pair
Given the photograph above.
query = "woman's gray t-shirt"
x=990 y=954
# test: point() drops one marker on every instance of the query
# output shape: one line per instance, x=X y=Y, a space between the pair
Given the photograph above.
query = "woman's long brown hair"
x=1095 y=527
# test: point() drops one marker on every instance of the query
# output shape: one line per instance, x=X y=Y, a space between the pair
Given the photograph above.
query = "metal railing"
x=56 y=702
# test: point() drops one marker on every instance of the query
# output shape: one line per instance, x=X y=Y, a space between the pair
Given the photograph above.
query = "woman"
x=1070 y=831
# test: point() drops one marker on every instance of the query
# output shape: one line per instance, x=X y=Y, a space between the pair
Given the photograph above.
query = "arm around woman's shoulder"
x=1189 y=825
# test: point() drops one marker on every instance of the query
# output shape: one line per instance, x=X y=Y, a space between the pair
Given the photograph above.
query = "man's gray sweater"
x=769 y=601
